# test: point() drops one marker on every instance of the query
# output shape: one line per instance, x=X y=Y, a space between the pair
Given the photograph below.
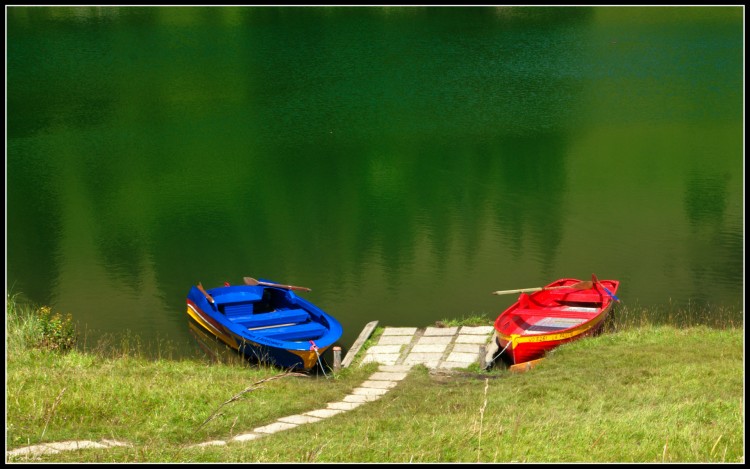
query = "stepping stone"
x=399 y=331
x=472 y=339
x=385 y=359
x=387 y=376
x=429 y=348
x=440 y=331
x=324 y=413
x=463 y=357
x=379 y=384
x=299 y=419
x=395 y=368
x=344 y=405
x=360 y=398
x=210 y=443
x=369 y=391
x=467 y=348
x=384 y=349
x=247 y=437
x=394 y=340
x=275 y=427
x=477 y=330
x=427 y=359
x=435 y=339
x=36 y=450
x=114 y=443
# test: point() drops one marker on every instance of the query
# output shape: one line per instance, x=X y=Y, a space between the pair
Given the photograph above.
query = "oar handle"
x=596 y=281
x=208 y=297
x=520 y=290
x=612 y=295
x=576 y=286
x=251 y=281
x=288 y=287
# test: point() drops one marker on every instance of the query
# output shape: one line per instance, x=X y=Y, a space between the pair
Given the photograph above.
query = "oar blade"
x=251 y=281
x=583 y=285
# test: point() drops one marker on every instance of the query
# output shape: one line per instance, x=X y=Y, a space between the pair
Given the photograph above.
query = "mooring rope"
x=315 y=349
x=506 y=346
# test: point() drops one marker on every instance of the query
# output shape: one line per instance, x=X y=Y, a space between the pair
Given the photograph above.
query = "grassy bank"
x=639 y=393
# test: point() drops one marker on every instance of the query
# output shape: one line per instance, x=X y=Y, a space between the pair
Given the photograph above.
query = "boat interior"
x=273 y=315
x=559 y=311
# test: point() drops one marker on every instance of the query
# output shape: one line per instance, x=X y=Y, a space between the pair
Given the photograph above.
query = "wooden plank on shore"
x=363 y=336
x=525 y=366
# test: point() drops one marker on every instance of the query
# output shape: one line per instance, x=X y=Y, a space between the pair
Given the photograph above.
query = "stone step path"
x=34 y=451
x=433 y=347
x=375 y=387
x=398 y=349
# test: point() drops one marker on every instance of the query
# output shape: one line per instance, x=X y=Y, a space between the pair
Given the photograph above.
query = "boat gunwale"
x=566 y=332
x=240 y=333
x=526 y=344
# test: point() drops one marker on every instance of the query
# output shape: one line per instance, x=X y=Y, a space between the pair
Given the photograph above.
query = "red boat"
x=563 y=311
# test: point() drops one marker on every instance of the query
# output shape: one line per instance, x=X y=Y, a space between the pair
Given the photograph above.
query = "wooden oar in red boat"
x=612 y=295
x=252 y=282
x=583 y=285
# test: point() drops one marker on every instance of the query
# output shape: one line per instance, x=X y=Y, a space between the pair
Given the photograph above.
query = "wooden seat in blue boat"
x=288 y=316
x=234 y=311
x=307 y=331
x=236 y=297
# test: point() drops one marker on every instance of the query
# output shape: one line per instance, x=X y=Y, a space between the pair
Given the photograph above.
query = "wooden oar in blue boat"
x=252 y=282
x=208 y=297
x=612 y=295
x=583 y=285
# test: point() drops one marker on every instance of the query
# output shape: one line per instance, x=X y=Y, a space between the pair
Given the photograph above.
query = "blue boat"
x=265 y=321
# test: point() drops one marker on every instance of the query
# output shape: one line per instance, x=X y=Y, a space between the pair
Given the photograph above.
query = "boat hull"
x=292 y=335
x=538 y=323
x=523 y=349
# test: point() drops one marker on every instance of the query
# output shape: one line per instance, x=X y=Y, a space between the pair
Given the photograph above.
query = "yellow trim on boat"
x=517 y=339
x=227 y=339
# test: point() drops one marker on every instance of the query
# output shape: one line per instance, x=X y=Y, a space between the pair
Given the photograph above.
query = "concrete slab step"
x=433 y=347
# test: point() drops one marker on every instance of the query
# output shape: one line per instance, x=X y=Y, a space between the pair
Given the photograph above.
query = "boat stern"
x=309 y=358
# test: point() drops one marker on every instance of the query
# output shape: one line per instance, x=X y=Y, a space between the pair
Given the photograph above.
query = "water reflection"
x=403 y=161
x=706 y=198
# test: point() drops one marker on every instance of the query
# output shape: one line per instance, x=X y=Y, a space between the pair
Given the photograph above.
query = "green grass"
x=642 y=393
x=476 y=319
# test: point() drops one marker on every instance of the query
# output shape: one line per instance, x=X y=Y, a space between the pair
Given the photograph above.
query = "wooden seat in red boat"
x=559 y=312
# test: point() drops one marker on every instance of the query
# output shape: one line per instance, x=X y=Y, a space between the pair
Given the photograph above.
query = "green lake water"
x=402 y=162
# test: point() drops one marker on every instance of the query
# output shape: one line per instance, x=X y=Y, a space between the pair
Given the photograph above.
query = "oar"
x=208 y=297
x=596 y=280
x=251 y=281
x=584 y=285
